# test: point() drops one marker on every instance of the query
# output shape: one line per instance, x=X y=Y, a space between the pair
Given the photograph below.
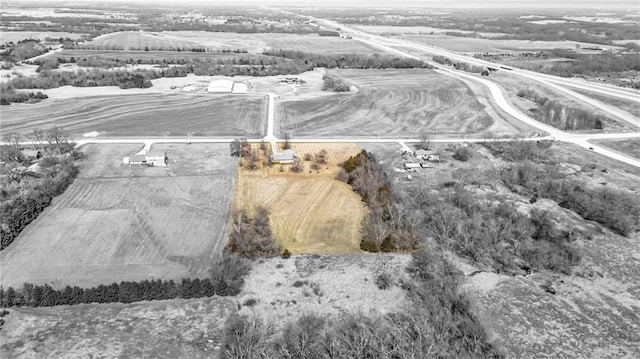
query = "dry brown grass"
x=310 y=212
x=118 y=222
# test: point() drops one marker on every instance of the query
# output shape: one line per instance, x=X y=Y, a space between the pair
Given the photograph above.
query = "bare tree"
x=425 y=140
x=297 y=166
x=287 y=138
x=236 y=147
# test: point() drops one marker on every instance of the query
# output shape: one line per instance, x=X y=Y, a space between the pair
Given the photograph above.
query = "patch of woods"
x=22 y=50
x=561 y=116
x=28 y=183
x=458 y=65
x=386 y=228
x=334 y=84
x=438 y=323
x=536 y=176
x=226 y=279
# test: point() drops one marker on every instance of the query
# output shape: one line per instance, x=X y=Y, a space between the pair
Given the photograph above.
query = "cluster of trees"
x=335 y=84
x=386 y=227
x=534 y=175
x=561 y=116
x=22 y=197
x=22 y=50
x=439 y=323
x=498 y=236
x=464 y=66
x=8 y=95
x=227 y=279
x=252 y=236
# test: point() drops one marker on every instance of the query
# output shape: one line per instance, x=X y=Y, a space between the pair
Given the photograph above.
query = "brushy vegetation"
x=459 y=65
x=27 y=191
x=252 y=236
x=536 y=176
x=227 y=279
x=498 y=236
x=560 y=116
x=9 y=95
x=385 y=228
x=437 y=324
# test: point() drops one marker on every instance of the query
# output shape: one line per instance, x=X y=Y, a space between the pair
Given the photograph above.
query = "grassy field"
x=15 y=36
x=389 y=103
x=144 y=115
x=310 y=212
x=192 y=328
x=134 y=40
x=254 y=43
x=471 y=44
x=629 y=106
x=181 y=328
x=629 y=147
x=119 y=222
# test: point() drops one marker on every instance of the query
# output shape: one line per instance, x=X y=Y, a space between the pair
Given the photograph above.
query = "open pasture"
x=15 y=36
x=135 y=40
x=473 y=45
x=144 y=115
x=133 y=223
x=253 y=43
x=389 y=103
x=310 y=212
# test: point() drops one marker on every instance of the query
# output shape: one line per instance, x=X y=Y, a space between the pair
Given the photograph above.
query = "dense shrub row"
x=385 y=228
x=464 y=66
x=227 y=278
x=9 y=95
x=437 y=324
x=561 y=116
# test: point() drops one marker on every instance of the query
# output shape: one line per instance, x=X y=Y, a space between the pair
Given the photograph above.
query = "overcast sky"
x=632 y=5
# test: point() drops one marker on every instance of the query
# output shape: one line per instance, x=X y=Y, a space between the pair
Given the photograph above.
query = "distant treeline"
x=351 y=61
x=227 y=279
x=592 y=64
x=560 y=116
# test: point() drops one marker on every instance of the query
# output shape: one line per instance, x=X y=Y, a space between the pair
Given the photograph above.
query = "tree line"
x=386 y=227
x=252 y=236
x=226 y=279
x=561 y=116
x=334 y=84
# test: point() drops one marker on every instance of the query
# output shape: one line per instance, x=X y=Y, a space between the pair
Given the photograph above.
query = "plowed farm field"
x=310 y=212
x=133 y=223
x=143 y=115
x=388 y=103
